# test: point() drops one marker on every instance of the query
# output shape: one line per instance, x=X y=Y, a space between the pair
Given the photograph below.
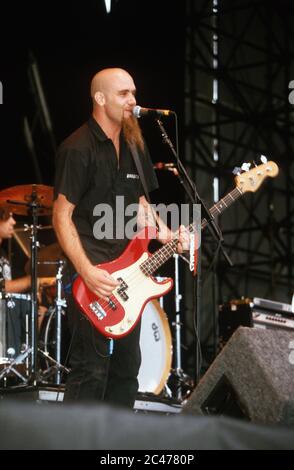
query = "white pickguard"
x=140 y=288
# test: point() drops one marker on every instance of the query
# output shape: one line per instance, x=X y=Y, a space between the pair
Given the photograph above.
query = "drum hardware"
x=19 y=199
x=52 y=369
x=47 y=344
x=46 y=254
x=34 y=200
x=21 y=237
x=34 y=301
x=3 y=346
x=60 y=304
x=12 y=364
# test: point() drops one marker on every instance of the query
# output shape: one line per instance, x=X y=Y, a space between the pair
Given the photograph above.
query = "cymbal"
x=48 y=254
x=17 y=199
x=23 y=228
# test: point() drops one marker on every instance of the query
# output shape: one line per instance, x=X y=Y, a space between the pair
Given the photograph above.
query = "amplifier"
x=271 y=320
x=273 y=305
x=255 y=313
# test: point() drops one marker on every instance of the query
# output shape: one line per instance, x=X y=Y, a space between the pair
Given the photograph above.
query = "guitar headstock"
x=252 y=179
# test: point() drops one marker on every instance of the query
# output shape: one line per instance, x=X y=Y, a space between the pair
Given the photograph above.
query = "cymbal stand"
x=60 y=303
x=33 y=207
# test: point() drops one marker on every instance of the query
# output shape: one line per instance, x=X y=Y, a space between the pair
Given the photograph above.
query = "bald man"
x=95 y=167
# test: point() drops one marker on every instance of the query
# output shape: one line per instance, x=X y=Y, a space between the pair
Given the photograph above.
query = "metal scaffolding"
x=238 y=70
x=37 y=125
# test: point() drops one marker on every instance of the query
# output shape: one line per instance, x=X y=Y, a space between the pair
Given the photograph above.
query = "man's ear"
x=99 y=98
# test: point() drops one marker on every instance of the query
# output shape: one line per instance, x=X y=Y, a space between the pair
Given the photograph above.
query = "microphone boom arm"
x=192 y=193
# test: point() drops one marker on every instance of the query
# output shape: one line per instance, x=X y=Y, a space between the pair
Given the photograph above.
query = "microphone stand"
x=194 y=198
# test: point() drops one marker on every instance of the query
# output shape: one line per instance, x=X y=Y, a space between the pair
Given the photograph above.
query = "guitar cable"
x=110 y=344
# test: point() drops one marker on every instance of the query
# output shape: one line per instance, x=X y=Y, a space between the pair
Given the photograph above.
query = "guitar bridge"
x=98 y=310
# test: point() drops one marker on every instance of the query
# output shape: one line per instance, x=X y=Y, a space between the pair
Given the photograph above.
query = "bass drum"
x=156 y=349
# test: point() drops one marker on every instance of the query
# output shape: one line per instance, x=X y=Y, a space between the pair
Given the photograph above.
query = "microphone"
x=138 y=112
x=163 y=166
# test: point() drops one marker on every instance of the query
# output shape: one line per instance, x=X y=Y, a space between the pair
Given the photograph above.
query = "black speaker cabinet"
x=252 y=378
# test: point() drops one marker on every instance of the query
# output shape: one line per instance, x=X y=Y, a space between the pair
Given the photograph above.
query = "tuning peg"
x=263 y=159
x=246 y=166
x=237 y=170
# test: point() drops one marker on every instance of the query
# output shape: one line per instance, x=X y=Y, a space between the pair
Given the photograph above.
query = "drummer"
x=18 y=285
x=7 y=284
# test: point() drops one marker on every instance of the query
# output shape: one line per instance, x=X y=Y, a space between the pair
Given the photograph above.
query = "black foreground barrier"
x=33 y=426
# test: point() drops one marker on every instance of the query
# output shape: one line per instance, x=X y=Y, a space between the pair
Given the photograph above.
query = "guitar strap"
x=136 y=157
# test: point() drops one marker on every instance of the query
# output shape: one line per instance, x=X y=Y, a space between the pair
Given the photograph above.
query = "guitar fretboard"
x=158 y=258
x=221 y=205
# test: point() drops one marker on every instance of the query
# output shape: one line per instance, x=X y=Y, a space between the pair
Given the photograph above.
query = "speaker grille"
x=256 y=365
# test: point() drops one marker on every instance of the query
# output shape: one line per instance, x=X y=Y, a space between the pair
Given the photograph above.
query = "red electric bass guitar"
x=135 y=267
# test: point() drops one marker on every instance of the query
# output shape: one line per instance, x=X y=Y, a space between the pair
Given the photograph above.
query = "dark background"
x=168 y=51
x=70 y=42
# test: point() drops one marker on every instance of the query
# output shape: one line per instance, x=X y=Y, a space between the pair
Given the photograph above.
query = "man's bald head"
x=102 y=81
x=113 y=94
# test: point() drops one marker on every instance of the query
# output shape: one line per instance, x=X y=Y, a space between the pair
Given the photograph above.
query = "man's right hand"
x=99 y=281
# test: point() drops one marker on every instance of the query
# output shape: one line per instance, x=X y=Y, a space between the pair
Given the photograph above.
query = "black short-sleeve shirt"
x=89 y=173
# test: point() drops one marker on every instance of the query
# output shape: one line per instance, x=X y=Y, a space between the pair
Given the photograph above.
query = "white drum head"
x=156 y=349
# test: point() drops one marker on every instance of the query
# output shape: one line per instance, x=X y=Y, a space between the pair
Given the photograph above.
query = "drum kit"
x=34 y=355
x=19 y=344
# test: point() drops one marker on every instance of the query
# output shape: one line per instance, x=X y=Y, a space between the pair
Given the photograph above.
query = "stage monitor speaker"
x=252 y=378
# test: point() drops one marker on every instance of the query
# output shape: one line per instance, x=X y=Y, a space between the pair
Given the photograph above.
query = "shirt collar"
x=96 y=129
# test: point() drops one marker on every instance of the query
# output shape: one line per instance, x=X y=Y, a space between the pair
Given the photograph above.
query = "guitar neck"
x=222 y=205
x=169 y=249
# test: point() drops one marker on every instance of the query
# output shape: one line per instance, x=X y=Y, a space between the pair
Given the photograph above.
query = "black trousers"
x=97 y=374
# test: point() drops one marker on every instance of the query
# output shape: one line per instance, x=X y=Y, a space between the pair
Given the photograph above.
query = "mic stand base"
x=181 y=384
